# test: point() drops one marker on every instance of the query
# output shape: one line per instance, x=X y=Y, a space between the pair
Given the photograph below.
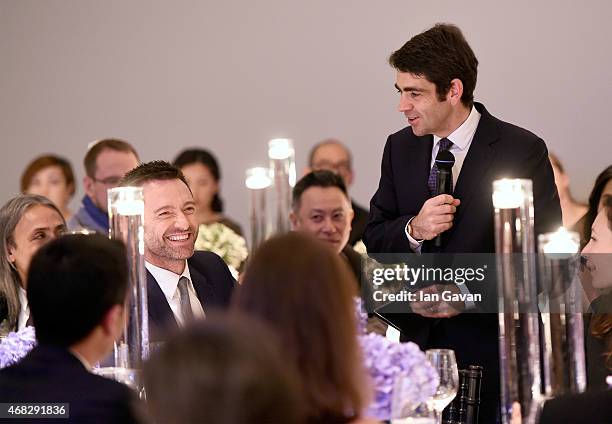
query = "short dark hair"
x=157 y=170
x=322 y=178
x=73 y=282
x=207 y=159
x=441 y=54
x=224 y=370
x=106 y=144
x=43 y=162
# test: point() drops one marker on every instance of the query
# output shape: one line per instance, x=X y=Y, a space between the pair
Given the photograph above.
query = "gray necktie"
x=186 y=311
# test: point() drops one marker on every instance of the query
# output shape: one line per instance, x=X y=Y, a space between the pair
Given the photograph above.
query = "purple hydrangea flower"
x=386 y=360
x=16 y=345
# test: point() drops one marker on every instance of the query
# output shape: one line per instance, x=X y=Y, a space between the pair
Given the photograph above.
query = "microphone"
x=444 y=180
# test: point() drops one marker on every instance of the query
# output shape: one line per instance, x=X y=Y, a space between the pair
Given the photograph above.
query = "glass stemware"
x=443 y=360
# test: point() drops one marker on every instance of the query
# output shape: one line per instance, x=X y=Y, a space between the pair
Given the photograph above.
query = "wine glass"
x=444 y=362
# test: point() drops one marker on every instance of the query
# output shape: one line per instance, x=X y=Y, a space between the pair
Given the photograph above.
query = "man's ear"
x=113 y=321
x=88 y=183
x=294 y=220
x=455 y=92
x=350 y=177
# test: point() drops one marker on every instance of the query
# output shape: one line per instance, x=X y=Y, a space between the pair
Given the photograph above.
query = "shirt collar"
x=23 y=298
x=167 y=280
x=463 y=135
x=81 y=359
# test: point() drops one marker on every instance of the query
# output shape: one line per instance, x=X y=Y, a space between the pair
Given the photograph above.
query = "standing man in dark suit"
x=436 y=77
x=182 y=285
x=332 y=155
x=77 y=285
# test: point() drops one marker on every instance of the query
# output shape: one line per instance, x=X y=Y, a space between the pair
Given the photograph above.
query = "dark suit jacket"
x=590 y=407
x=498 y=150
x=213 y=284
x=358 y=224
x=52 y=374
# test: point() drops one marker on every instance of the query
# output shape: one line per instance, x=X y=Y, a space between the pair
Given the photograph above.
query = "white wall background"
x=229 y=75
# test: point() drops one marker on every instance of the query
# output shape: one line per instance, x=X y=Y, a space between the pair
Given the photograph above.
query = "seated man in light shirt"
x=182 y=284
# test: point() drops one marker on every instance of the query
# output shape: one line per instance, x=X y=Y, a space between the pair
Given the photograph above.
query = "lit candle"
x=560 y=242
x=510 y=193
x=258 y=178
x=280 y=148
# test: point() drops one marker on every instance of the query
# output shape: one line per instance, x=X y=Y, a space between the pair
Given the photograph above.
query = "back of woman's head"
x=222 y=371
x=304 y=291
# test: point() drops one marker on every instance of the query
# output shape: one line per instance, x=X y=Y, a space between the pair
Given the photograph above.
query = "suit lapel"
x=203 y=289
x=415 y=185
x=160 y=313
x=476 y=163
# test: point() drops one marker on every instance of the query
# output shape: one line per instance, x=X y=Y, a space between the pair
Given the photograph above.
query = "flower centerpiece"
x=386 y=360
x=222 y=240
x=16 y=345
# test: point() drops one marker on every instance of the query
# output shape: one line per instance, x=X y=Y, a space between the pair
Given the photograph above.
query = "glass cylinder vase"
x=564 y=369
x=282 y=170
x=257 y=182
x=519 y=348
x=126 y=221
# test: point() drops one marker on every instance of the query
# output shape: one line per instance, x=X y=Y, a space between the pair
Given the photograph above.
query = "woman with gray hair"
x=26 y=223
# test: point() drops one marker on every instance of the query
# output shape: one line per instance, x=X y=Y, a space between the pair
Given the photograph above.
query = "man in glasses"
x=106 y=162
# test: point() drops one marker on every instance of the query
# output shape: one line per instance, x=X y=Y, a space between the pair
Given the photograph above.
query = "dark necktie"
x=186 y=311
x=445 y=144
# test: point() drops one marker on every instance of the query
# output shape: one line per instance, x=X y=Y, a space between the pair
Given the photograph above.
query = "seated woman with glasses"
x=27 y=222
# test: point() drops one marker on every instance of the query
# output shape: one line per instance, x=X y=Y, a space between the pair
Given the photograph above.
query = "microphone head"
x=445 y=160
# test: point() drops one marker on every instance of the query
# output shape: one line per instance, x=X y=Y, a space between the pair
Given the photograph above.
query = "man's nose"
x=328 y=226
x=404 y=104
x=182 y=222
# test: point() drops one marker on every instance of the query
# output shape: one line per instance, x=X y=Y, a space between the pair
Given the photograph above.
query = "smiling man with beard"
x=183 y=285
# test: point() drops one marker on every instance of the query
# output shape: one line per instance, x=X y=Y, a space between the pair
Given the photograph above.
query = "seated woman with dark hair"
x=50 y=176
x=598 y=323
x=222 y=371
x=27 y=222
x=203 y=175
x=601 y=188
x=304 y=292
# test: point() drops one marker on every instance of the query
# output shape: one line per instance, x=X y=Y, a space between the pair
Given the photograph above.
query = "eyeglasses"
x=108 y=181
x=333 y=166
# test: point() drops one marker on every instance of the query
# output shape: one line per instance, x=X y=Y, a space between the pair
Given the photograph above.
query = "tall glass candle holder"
x=257 y=182
x=282 y=170
x=564 y=369
x=126 y=218
x=517 y=293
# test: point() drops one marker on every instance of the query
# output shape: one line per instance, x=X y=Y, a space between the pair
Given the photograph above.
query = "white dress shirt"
x=462 y=140
x=24 y=312
x=168 y=282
